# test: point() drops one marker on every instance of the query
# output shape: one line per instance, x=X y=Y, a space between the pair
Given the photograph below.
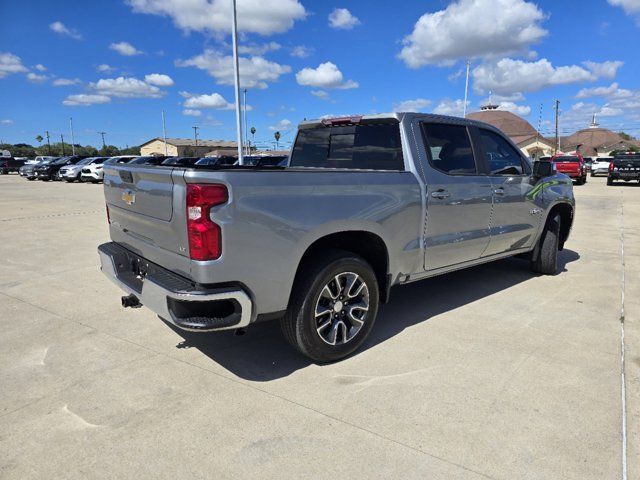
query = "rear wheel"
x=545 y=259
x=609 y=181
x=333 y=306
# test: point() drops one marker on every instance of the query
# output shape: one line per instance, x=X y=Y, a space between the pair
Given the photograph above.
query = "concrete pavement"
x=491 y=372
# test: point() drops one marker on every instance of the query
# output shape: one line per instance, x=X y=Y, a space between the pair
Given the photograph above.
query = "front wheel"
x=546 y=255
x=333 y=306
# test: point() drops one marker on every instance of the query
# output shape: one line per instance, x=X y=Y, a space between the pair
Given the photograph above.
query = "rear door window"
x=449 y=148
x=365 y=147
x=501 y=157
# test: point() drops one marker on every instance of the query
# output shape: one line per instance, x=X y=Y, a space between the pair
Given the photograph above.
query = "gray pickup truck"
x=364 y=204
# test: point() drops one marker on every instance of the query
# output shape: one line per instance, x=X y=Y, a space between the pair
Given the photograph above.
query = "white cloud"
x=254 y=49
x=612 y=89
x=415 y=105
x=522 y=110
x=264 y=17
x=343 y=19
x=126 y=87
x=630 y=7
x=84 y=99
x=125 y=48
x=191 y=112
x=326 y=75
x=255 y=72
x=473 y=28
x=450 y=107
x=158 y=79
x=301 y=51
x=103 y=67
x=508 y=76
x=6 y=121
x=10 y=63
x=320 y=94
x=213 y=100
x=40 y=68
x=283 y=125
x=64 y=82
x=60 y=28
x=607 y=69
x=35 y=78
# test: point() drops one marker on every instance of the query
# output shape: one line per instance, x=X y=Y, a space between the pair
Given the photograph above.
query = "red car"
x=571 y=165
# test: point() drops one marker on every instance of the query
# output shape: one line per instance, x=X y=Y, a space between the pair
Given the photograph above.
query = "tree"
x=39 y=138
x=625 y=136
x=277 y=137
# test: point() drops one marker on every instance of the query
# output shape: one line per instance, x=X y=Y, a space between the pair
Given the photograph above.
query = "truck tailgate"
x=141 y=201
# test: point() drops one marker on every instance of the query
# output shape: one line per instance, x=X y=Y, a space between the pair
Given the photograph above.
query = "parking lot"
x=491 y=372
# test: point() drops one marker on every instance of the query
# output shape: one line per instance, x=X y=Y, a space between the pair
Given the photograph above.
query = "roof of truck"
x=399 y=116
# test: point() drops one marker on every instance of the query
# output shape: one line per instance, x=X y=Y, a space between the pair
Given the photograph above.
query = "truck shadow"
x=262 y=354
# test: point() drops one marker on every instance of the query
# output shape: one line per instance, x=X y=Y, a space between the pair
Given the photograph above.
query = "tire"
x=584 y=179
x=592 y=174
x=546 y=255
x=315 y=290
x=609 y=181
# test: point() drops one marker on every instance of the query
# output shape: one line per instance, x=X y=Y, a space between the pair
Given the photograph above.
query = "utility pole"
x=104 y=145
x=466 y=90
x=557 y=107
x=236 y=68
x=164 y=135
x=62 y=138
x=73 y=140
x=48 y=142
x=195 y=134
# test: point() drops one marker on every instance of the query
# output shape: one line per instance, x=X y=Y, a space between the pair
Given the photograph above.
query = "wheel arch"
x=566 y=212
x=366 y=244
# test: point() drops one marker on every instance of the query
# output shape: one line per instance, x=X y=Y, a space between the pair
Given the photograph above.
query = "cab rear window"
x=361 y=147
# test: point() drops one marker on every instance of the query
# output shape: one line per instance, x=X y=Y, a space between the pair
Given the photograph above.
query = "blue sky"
x=114 y=65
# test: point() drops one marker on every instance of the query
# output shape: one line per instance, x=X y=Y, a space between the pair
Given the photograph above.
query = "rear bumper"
x=177 y=300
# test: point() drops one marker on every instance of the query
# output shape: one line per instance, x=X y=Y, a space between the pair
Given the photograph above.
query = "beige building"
x=185 y=147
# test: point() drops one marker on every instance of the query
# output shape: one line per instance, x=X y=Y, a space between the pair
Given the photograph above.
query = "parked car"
x=50 y=171
x=94 y=172
x=149 y=160
x=261 y=160
x=28 y=171
x=571 y=165
x=366 y=203
x=600 y=165
x=625 y=166
x=39 y=159
x=10 y=164
x=587 y=163
x=181 y=161
x=72 y=173
x=223 y=160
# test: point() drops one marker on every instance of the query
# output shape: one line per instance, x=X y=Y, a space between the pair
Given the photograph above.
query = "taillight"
x=205 y=236
x=611 y=166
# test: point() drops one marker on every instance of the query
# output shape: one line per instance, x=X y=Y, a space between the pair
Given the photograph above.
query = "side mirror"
x=543 y=169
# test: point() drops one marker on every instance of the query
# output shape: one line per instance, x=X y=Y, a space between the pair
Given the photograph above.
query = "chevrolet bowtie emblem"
x=129 y=197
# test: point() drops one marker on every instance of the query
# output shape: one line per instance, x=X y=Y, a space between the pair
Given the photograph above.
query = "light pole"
x=245 y=119
x=466 y=91
x=73 y=140
x=236 y=68
x=164 y=135
x=62 y=138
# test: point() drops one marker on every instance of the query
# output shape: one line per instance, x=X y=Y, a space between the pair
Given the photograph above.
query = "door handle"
x=440 y=194
x=499 y=191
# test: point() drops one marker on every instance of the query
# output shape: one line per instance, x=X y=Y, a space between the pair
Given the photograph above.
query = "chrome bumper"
x=156 y=291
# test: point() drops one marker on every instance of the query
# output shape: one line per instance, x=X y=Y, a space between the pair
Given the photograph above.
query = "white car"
x=600 y=165
x=71 y=173
x=94 y=173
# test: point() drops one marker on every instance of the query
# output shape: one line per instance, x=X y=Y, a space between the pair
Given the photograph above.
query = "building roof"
x=517 y=128
x=591 y=141
x=190 y=142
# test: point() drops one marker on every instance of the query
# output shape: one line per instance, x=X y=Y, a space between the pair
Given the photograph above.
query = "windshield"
x=61 y=161
x=566 y=159
x=84 y=161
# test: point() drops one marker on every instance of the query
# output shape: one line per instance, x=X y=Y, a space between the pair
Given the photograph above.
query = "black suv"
x=625 y=166
x=50 y=171
x=10 y=164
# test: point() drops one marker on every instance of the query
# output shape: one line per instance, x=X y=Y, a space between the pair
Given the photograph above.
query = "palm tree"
x=253 y=135
x=39 y=138
x=277 y=137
